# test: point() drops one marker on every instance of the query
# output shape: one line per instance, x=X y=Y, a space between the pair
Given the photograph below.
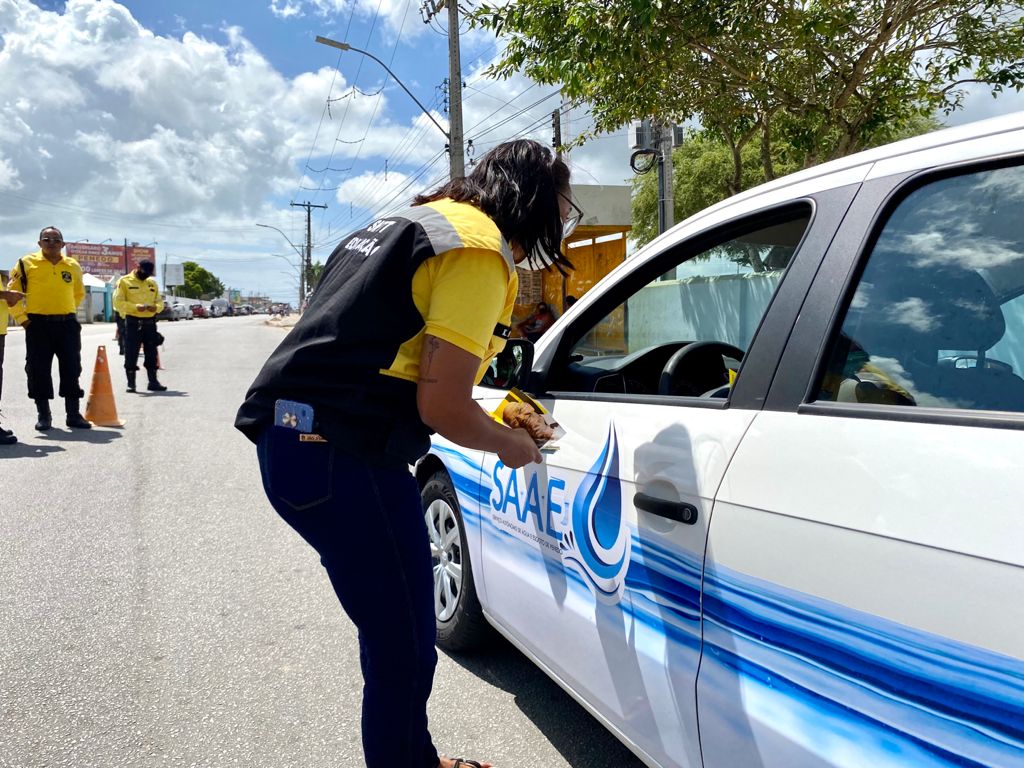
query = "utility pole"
x=456 y=151
x=556 y=131
x=307 y=267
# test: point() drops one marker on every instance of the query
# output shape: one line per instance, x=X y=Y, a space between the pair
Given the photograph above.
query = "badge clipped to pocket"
x=292 y=415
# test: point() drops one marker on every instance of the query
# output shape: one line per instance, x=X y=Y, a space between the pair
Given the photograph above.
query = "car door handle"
x=679 y=511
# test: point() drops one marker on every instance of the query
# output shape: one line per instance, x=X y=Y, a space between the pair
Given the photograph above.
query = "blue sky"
x=188 y=123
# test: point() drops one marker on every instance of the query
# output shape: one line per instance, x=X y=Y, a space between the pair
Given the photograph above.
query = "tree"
x=199 y=283
x=824 y=77
x=704 y=171
x=316 y=271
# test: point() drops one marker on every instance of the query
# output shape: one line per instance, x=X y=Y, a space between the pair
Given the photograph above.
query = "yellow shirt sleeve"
x=461 y=295
x=78 y=286
x=14 y=284
x=121 y=298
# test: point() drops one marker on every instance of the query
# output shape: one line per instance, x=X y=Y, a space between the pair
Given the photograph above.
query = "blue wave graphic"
x=845 y=687
x=893 y=686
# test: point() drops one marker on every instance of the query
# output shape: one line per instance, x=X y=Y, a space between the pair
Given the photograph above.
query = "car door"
x=865 y=565
x=592 y=563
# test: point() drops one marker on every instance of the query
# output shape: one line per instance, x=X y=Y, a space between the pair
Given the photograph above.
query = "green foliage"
x=824 y=79
x=199 y=283
x=316 y=271
x=704 y=173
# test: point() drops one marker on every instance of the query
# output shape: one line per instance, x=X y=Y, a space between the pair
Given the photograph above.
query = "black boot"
x=131 y=380
x=45 y=420
x=154 y=385
x=75 y=419
x=7 y=437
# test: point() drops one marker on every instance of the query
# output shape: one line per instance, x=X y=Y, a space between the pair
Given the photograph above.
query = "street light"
x=302 y=258
x=347 y=47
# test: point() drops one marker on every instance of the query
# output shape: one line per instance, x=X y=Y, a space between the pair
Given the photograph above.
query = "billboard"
x=105 y=260
x=174 y=274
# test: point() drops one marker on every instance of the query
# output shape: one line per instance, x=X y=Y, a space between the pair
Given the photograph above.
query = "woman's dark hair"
x=517 y=184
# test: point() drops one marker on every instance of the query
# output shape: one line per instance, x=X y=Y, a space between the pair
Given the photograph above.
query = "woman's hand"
x=520 y=450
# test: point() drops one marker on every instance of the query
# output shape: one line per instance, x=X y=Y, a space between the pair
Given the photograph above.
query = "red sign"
x=105 y=260
x=137 y=253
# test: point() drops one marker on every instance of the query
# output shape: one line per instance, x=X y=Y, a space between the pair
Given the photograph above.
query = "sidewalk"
x=283 y=322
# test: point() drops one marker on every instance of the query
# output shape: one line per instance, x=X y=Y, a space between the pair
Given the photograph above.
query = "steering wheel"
x=697 y=368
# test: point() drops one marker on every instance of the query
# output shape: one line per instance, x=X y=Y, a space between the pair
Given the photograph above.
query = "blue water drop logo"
x=597 y=544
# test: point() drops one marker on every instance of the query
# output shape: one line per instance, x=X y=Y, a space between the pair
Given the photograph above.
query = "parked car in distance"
x=782 y=527
x=167 y=313
x=181 y=312
x=198 y=310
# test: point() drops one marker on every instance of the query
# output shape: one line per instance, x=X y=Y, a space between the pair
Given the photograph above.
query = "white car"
x=181 y=312
x=785 y=526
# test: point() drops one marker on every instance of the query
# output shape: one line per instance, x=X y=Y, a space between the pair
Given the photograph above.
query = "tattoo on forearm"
x=432 y=346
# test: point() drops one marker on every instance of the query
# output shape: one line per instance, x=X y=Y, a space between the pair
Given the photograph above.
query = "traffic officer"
x=52 y=284
x=138 y=299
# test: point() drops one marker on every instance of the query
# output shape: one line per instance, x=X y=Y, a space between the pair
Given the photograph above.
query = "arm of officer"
x=121 y=305
x=18 y=308
x=79 y=286
x=444 y=396
x=159 y=306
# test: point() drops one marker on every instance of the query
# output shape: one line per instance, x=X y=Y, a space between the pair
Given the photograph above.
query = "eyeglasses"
x=573 y=219
x=50 y=240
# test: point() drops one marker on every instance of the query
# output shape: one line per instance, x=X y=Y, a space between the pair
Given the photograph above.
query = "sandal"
x=460 y=761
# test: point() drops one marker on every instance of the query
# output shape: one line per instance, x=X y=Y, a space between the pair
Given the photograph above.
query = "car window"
x=711 y=302
x=937 y=318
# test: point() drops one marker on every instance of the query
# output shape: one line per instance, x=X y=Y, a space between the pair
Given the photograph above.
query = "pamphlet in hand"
x=519 y=410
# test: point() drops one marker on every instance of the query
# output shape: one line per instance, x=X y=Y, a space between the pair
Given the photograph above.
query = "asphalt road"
x=155 y=612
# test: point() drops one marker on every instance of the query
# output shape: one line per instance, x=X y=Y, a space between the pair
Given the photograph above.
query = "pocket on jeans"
x=300 y=474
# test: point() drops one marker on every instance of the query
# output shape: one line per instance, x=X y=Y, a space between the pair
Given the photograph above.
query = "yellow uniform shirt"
x=460 y=292
x=50 y=289
x=4 y=317
x=132 y=290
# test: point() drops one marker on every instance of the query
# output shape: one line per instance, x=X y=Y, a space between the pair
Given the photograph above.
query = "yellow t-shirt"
x=52 y=289
x=5 y=314
x=132 y=290
x=459 y=294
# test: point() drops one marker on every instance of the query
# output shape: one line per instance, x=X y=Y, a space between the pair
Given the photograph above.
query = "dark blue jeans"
x=366 y=523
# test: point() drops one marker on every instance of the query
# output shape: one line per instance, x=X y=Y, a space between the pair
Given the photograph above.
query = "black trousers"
x=46 y=337
x=140 y=331
x=3 y=343
x=119 y=322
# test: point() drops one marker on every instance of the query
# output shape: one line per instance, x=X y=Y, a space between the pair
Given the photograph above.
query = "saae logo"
x=592 y=538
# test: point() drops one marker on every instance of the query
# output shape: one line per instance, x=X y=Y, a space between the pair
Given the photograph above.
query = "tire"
x=460 y=621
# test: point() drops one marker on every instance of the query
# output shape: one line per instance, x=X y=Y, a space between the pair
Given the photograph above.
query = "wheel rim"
x=446 y=554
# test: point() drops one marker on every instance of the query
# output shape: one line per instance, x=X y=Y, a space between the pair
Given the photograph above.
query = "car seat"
x=904 y=315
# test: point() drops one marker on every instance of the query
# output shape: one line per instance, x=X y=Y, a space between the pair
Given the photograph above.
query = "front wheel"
x=460 y=620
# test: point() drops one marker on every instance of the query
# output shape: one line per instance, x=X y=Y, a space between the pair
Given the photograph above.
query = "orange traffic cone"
x=100 y=409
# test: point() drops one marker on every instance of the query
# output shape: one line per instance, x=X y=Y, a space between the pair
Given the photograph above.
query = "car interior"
x=939 y=327
x=680 y=326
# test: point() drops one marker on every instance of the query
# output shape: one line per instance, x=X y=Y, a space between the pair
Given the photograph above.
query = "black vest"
x=361 y=312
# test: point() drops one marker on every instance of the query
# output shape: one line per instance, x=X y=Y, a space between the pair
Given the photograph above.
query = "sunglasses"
x=50 y=240
x=573 y=219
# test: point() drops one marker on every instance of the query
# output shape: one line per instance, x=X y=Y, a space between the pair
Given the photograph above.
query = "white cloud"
x=9 y=175
x=391 y=15
x=286 y=9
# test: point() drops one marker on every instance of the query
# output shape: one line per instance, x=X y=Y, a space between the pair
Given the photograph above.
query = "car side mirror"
x=511 y=367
